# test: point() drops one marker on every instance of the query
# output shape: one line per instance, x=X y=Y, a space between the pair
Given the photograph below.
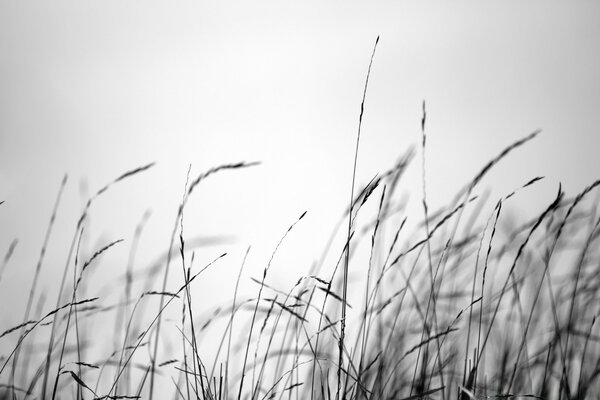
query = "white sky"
x=95 y=88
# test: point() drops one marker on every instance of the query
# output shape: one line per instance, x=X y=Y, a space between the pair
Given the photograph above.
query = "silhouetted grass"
x=456 y=304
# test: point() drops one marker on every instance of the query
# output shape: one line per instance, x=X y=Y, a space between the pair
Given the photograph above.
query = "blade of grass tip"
x=507 y=150
x=258 y=301
x=107 y=186
x=122 y=177
x=347 y=258
x=214 y=170
x=79 y=381
x=14 y=328
x=134 y=172
x=8 y=255
x=38 y=267
x=191 y=188
x=363 y=195
x=97 y=254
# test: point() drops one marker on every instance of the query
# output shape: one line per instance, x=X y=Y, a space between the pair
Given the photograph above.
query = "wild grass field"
x=461 y=302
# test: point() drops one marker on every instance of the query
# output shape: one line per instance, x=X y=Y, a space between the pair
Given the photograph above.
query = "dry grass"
x=458 y=305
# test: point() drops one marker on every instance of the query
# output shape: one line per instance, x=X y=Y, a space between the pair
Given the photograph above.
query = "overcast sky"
x=95 y=88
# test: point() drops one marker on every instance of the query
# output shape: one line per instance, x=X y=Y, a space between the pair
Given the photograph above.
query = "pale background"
x=95 y=88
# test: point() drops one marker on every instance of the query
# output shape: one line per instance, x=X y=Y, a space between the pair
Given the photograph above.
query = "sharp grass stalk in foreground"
x=347 y=257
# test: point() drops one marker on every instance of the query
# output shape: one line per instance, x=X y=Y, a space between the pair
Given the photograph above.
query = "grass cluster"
x=458 y=304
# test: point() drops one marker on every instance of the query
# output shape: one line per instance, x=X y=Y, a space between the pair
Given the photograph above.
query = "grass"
x=459 y=303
